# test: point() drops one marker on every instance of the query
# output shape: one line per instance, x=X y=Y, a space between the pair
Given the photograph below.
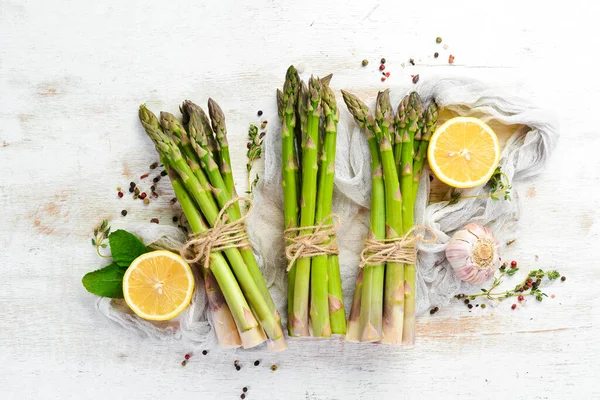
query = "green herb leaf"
x=106 y=282
x=125 y=247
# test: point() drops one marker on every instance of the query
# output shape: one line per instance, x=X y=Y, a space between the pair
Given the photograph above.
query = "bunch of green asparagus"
x=383 y=308
x=309 y=117
x=196 y=155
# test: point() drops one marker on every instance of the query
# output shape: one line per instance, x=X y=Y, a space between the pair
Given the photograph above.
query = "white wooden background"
x=72 y=74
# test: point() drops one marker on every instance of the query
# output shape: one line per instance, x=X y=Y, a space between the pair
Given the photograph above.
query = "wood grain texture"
x=72 y=75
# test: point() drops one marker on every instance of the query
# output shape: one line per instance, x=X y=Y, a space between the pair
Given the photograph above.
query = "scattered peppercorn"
x=120 y=194
x=387 y=74
x=273 y=367
x=175 y=219
x=451 y=59
x=131 y=184
x=155 y=180
x=146 y=201
x=483 y=306
x=154 y=220
x=383 y=79
x=143 y=195
x=187 y=356
x=204 y=352
x=244 y=389
x=124 y=212
x=381 y=67
x=563 y=278
x=553 y=296
x=466 y=301
x=237 y=367
x=155 y=195
x=365 y=62
x=153 y=165
x=438 y=40
x=131 y=189
x=263 y=125
x=259 y=113
x=513 y=306
x=436 y=54
x=174 y=200
x=144 y=176
x=437 y=309
x=415 y=79
x=163 y=173
x=135 y=196
x=470 y=306
x=236 y=362
x=432 y=311
x=513 y=264
x=153 y=188
x=412 y=61
x=136 y=190
x=256 y=363
x=262 y=135
x=242 y=396
x=383 y=60
x=118 y=188
x=520 y=298
x=183 y=363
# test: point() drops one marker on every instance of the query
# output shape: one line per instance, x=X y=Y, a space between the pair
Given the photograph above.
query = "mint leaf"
x=106 y=282
x=125 y=247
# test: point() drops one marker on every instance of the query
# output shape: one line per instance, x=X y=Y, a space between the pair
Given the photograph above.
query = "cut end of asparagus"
x=277 y=345
x=253 y=337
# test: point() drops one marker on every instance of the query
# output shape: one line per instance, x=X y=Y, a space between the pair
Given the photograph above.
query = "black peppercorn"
x=124 y=212
x=256 y=363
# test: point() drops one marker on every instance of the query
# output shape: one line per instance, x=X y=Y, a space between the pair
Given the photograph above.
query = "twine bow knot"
x=319 y=240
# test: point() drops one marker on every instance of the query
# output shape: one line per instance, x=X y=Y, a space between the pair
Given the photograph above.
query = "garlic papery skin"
x=473 y=252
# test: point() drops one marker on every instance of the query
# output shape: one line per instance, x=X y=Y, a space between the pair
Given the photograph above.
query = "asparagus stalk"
x=430 y=124
x=319 y=309
x=401 y=120
x=170 y=151
x=223 y=320
x=353 y=331
x=288 y=101
x=393 y=309
x=218 y=124
x=307 y=205
x=406 y=184
x=368 y=324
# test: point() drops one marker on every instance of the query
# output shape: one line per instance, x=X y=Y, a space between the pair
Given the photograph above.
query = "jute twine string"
x=319 y=241
x=401 y=250
x=221 y=236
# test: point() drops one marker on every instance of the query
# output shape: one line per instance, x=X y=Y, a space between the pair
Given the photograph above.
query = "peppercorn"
x=236 y=362
x=153 y=165
x=135 y=196
x=154 y=220
x=204 y=352
x=412 y=61
x=153 y=188
x=432 y=311
x=383 y=79
x=163 y=173
x=183 y=363
x=436 y=54
x=259 y=113
x=174 y=200
x=513 y=306
x=242 y=396
x=466 y=301
x=470 y=306
x=131 y=189
x=143 y=195
x=521 y=298
x=124 y=212
x=155 y=180
x=483 y=306
x=381 y=67
x=120 y=194
x=187 y=356
x=144 y=176
x=273 y=367
x=263 y=125
x=437 y=309
x=155 y=195
x=175 y=219
x=146 y=201
x=438 y=40
x=249 y=145
x=136 y=190
x=256 y=363
x=262 y=135
x=131 y=184
x=387 y=74
x=513 y=264
x=244 y=389
x=563 y=278
x=383 y=60
x=237 y=367
x=415 y=79
x=451 y=59
x=365 y=62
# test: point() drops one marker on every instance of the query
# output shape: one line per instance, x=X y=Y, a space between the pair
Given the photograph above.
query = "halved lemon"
x=158 y=285
x=464 y=152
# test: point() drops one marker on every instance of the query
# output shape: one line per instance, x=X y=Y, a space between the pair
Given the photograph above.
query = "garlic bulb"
x=473 y=253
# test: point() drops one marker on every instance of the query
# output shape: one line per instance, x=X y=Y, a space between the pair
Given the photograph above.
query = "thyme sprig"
x=100 y=237
x=500 y=188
